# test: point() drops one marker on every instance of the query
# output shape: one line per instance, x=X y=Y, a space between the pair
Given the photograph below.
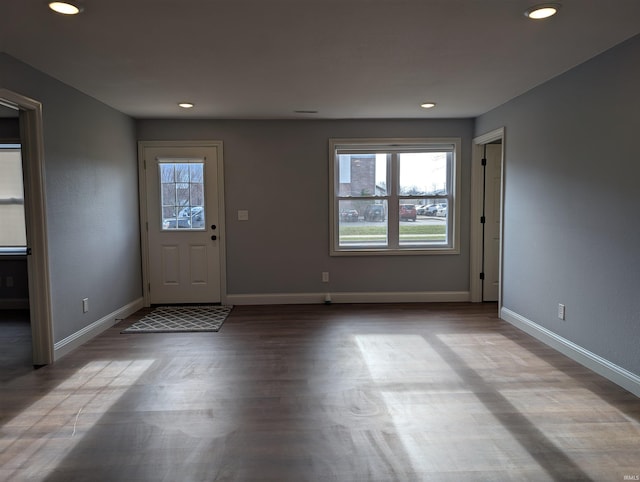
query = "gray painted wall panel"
x=279 y=172
x=92 y=199
x=571 y=232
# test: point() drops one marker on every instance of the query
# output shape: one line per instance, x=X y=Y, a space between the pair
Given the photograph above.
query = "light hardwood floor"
x=405 y=392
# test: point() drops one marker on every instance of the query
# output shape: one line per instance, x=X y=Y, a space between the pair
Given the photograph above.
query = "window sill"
x=13 y=252
x=396 y=252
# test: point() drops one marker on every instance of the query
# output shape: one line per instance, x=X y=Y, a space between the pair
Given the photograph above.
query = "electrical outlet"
x=325 y=276
x=561 y=310
x=85 y=305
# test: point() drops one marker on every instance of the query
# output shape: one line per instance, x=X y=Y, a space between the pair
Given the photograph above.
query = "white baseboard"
x=618 y=375
x=14 y=303
x=319 y=298
x=72 y=342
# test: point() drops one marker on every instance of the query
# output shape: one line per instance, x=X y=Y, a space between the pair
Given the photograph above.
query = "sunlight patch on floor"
x=444 y=428
x=63 y=416
x=487 y=351
x=561 y=409
x=389 y=356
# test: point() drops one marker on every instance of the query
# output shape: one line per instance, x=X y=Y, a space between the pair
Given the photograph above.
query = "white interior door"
x=491 y=283
x=183 y=223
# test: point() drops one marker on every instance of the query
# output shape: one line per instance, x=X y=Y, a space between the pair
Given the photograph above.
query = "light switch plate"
x=243 y=215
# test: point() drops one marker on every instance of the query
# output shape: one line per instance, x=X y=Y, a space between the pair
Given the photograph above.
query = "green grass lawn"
x=408 y=232
x=404 y=229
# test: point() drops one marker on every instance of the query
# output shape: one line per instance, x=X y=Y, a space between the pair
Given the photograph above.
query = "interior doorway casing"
x=31 y=138
x=476 y=232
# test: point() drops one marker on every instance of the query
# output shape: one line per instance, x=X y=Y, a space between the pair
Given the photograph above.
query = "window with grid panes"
x=394 y=196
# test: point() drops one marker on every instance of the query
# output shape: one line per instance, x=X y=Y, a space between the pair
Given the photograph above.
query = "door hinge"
x=482 y=276
x=483 y=219
x=148 y=286
x=484 y=161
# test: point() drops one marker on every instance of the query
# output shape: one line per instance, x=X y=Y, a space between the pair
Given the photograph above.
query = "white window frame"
x=397 y=145
x=12 y=200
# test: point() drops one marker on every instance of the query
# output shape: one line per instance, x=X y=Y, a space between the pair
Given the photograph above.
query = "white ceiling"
x=343 y=58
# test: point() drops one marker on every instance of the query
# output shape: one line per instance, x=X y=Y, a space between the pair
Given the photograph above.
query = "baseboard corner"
x=80 y=337
x=612 y=372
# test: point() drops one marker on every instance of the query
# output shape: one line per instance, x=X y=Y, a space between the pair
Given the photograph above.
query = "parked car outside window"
x=195 y=214
x=407 y=212
x=349 y=216
x=374 y=212
x=172 y=223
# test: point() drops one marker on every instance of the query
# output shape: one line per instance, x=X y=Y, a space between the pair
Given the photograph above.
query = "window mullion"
x=394 y=202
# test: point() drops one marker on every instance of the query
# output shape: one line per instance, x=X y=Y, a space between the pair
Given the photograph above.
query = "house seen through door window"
x=182 y=192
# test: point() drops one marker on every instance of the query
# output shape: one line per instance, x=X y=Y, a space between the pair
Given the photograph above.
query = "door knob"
x=213 y=226
x=214 y=237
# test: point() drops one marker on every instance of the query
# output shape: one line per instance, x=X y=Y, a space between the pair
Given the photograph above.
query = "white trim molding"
x=80 y=337
x=475 y=232
x=618 y=375
x=32 y=139
x=318 y=298
x=394 y=147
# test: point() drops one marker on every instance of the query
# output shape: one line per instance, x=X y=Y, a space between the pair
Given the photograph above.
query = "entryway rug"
x=175 y=319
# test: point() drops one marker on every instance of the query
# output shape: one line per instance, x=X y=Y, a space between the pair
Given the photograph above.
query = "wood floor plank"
x=405 y=392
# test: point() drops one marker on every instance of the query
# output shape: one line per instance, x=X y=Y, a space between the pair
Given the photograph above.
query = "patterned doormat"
x=175 y=319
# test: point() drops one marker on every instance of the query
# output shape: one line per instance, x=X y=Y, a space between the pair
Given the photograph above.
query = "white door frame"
x=475 y=283
x=144 y=234
x=31 y=138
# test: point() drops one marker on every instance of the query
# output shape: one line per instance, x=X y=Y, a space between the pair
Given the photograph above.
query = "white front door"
x=492 y=199
x=183 y=223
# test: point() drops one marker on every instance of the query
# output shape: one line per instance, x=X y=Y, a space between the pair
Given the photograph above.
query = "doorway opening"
x=487 y=188
x=34 y=248
x=15 y=330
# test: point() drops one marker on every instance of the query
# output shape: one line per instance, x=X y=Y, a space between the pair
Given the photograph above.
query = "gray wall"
x=92 y=199
x=572 y=204
x=278 y=170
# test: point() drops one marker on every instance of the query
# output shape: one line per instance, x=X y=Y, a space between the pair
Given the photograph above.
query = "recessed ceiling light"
x=186 y=105
x=545 y=10
x=428 y=105
x=65 y=8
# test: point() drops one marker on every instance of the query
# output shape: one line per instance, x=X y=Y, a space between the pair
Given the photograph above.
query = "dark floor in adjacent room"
x=16 y=357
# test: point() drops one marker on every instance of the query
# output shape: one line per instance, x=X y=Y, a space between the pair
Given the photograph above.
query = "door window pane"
x=182 y=195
